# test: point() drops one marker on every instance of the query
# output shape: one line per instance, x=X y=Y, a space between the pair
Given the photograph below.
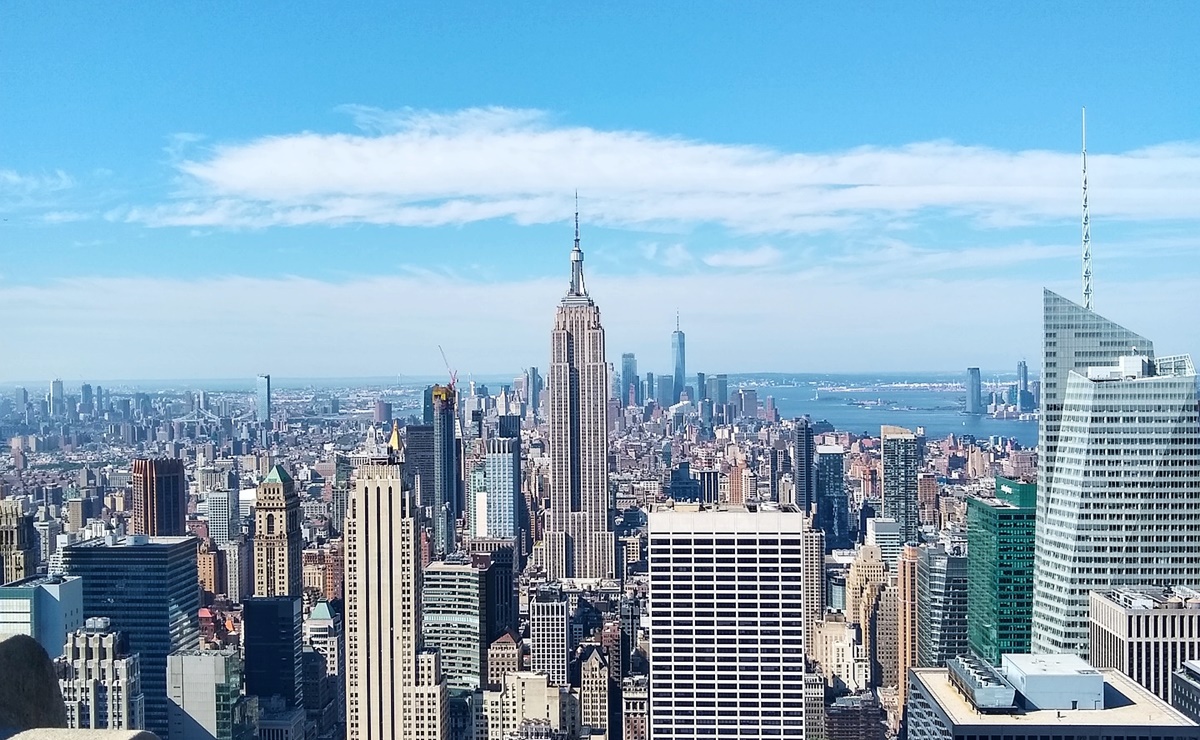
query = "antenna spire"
x=677 y=319
x=577 y=286
x=1087 y=227
x=577 y=218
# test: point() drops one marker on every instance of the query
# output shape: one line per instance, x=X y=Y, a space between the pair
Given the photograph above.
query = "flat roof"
x=132 y=541
x=1126 y=704
x=1057 y=664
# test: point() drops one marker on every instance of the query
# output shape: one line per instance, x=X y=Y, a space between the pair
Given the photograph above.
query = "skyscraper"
x=974 y=391
x=394 y=688
x=900 y=462
x=579 y=542
x=1000 y=533
x=277 y=542
x=631 y=383
x=832 y=514
x=57 y=400
x=906 y=617
x=649 y=392
x=696 y=607
x=804 y=463
x=159 y=498
x=497 y=514
x=445 y=469
x=1022 y=377
x=205 y=691
x=148 y=590
x=454 y=619
x=224 y=516
x=273 y=638
x=18 y=543
x=100 y=680
x=1119 y=475
x=262 y=399
x=549 y=633
x=941 y=606
x=678 y=360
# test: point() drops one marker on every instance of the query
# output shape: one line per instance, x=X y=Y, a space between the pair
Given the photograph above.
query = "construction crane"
x=453 y=373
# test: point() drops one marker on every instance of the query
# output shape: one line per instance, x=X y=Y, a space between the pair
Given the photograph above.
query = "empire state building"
x=578 y=541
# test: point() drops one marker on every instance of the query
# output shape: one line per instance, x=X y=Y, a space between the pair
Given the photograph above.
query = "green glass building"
x=1000 y=570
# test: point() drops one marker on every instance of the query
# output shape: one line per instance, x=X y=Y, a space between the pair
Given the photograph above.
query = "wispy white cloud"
x=763 y=256
x=420 y=168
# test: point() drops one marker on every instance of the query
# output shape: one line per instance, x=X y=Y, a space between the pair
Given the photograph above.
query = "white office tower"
x=100 y=680
x=204 y=688
x=579 y=543
x=1119 y=485
x=394 y=689
x=885 y=533
x=224 y=516
x=496 y=509
x=549 y=630
x=727 y=623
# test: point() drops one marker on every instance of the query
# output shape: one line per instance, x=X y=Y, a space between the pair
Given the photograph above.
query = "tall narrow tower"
x=678 y=357
x=277 y=541
x=578 y=539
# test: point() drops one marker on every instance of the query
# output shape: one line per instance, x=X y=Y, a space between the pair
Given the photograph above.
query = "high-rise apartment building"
x=901 y=459
x=394 y=688
x=277 y=541
x=831 y=501
x=147 y=587
x=631 y=382
x=159 y=498
x=906 y=616
x=204 y=688
x=445 y=469
x=18 y=542
x=1000 y=533
x=975 y=403
x=717 y=576
x=678 y=362
x=1117 y=426
x=100 y=679
x=262 y=399
x=1146 y=633
x=813 y=582
x=497 y=510
x=804 y=466
x=549 y=634
x=941 y=606
x=578 y=539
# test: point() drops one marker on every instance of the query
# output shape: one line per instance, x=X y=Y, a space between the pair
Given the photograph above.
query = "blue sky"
x=194 y=190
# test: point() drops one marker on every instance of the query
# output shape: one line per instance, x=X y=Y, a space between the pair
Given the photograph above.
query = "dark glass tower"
x=678 y=357
x=445 y=470
x=274 y=648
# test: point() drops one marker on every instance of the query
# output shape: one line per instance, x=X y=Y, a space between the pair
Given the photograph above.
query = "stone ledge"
x=56 y=733
x=29 y=694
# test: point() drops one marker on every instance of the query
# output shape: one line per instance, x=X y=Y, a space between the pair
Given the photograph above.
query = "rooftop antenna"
x=577 y=218
x=1087 y=228
x=677 y=319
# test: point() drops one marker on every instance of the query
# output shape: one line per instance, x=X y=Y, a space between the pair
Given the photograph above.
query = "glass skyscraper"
x=631 y=384
x=901 y=459
x=1119 y=475
x=678 y=358
x=1000 y=534
x=941 y=606
x=445 y=470
x=262 y=400
x=974 y=391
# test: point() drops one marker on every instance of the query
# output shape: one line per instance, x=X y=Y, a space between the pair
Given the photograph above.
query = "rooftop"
x=133 y=540
x=34 y=581
x=1127 y=704
x=1150 y=598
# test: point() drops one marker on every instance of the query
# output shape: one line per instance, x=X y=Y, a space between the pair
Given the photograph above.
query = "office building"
x=649 y=391
x=419 y=459
x=18 y=542
x=885 y=534
x=454 y=615
x=323 y=633
x=57 y=400
x=679 y=362
x=631 y=382
x=805 y=474
x=147 y=588
x=550 y=634
x=239 y=569
x=277 y=542
x=497 y=512
x=503 y=656
x=1147 y=633
x=100 y=679
x=1185 y=689
x=159 y=498
x=901 y=460
x=1000 y=534
x=394 y=688
x=383 y=412
x=975 y=405
x=813 y=582
x=531 y=706
x=941 y=606
x=445 y=469
x=204 y=688
x=738 y=574
x=224 y=517
x=832 y=506
x=273 y=640
x=47 y=608
x=1091 y=470
x=594 y=689
x=579 y=543
x=1032 y=697
x=262 y=399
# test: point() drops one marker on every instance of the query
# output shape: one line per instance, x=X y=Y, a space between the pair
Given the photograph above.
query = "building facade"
x=100 y=680
x=941 y=606
x=1000 y=538
x=901 y=460
x=18 y=538
x=159 y=498
x=277 y=541
x=1146 y=633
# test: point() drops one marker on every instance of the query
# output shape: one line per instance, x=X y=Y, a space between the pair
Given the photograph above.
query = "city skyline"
x=830 y=179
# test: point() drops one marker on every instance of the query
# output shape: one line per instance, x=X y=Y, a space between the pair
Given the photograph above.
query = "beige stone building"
x=1146 y=633
x=277 y=542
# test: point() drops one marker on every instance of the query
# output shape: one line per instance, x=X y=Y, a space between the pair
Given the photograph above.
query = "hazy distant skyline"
x=815 y=189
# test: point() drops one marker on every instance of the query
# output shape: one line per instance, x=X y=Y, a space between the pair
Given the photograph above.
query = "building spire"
x=677 y=319
x=1087 y=227
x=577 y=285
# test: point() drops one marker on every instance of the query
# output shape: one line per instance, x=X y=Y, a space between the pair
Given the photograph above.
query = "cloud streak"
x=424 y=169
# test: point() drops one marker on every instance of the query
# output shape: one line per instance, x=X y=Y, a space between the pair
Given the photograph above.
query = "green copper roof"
x=278 y=475
x=321 y=611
